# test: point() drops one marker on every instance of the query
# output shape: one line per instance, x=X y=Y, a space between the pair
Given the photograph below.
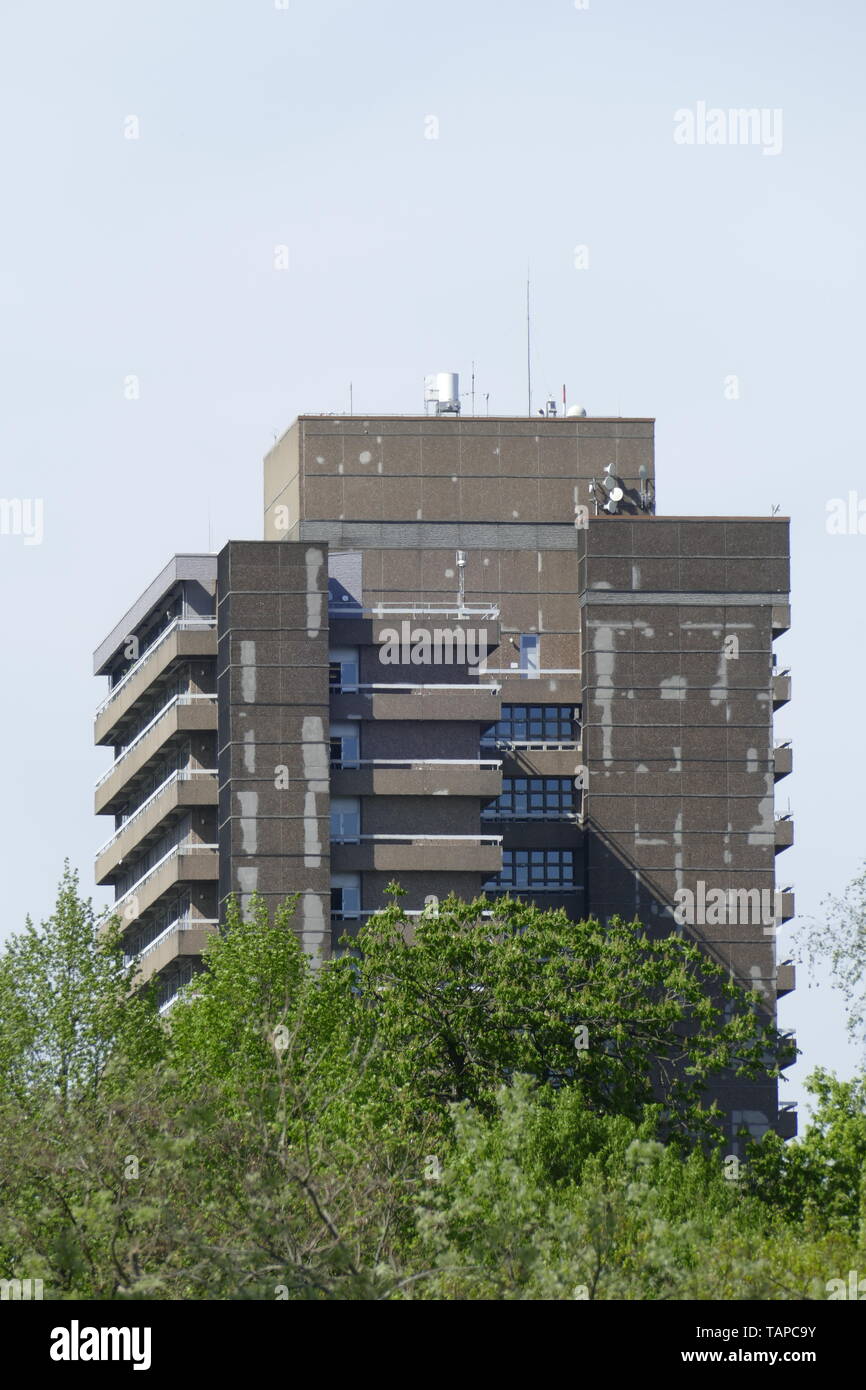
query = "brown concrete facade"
x=677 y=626
x=272 y=616
x=634 y=658
x=446 y=663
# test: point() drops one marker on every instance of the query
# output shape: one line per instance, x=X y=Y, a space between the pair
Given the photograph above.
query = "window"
x=529 y=654
x=540 y=870
x=534 y=798
x=345 y=895
x=345 y=745
x=343 y=668
x=345 y=818
x=533 y=724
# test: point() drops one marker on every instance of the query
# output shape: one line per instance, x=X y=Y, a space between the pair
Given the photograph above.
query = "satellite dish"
x=616 y=494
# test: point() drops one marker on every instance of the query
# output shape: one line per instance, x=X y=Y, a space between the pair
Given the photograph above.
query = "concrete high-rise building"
x=468 y=656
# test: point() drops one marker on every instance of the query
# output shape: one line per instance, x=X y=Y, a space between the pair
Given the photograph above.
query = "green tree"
x=820 y=1178
x=463 y=1001
x=419 y=1118
x=840 y=937
x=635 y=1223
x=71 y=1022
x=233 y=1016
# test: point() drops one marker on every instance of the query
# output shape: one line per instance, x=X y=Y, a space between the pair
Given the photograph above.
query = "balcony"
x=417 y=853
x=186 y=936
x=780 y=618
x=786 y=979
x=173 y=981
x=539 y=759
x=417 y=777
x=784 y=901
x=190 y=862
x=553 y=686
x=466 y=625
x=783 y=761
x=463 y=635
x=183 y=638
x=351 y=923
x=786 y=1124
x=781 y=688
x=788 y=1049
x=182 y=713
x=784 y=833
x=475 y=703
x=188 y=787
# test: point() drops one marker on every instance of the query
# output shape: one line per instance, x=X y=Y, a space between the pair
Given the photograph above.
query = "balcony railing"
x=418 y=610
x=394 y=687
x=515 y=671
x=506 y=889
x=187 y=847
x=410 y=839
x=182 y=775
x=347 y=764
x=173 y=998
x=181 y=624
x=349 y=916
x=532 y=745
x=128 y=747
x=179 y=924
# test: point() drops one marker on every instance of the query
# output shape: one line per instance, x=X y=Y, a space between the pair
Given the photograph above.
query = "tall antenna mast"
x=528 y=360
x=473 y=388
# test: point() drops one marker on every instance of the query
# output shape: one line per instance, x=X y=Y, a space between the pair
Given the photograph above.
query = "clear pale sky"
x=307 y=127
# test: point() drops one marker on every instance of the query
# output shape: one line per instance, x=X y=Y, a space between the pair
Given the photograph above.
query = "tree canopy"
x=492 y=1102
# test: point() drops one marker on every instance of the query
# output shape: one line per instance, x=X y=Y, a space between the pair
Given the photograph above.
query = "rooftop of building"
x=200 y=567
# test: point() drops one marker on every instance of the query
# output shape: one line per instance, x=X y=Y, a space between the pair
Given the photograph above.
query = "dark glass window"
x=534 y=869
x=532 y=724
x=532 y=798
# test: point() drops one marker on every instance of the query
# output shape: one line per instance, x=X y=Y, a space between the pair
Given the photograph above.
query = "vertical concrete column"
x=272 y=681
x=678 y=733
